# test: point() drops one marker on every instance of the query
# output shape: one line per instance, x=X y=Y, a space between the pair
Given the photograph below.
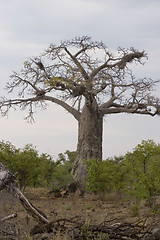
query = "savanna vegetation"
x=36 y=170
x=123 y=186
x=134 y=174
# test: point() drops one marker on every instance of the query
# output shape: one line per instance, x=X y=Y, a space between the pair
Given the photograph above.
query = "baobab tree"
x=88 y=81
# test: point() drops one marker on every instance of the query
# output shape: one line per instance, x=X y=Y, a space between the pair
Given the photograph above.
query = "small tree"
x=30 y=168
x=22 y=162
x=142 y=167
x=90 y=82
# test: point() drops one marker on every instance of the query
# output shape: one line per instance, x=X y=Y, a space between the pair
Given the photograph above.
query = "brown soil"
x=91 y=209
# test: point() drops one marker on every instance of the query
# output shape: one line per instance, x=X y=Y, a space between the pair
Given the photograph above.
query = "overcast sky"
x=27 y=27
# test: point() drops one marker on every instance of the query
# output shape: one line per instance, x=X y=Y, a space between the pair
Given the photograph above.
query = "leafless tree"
x=88 y=81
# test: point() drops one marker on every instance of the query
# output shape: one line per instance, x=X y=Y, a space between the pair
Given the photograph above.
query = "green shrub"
x=142 y=168
x=136 y=173
x=134 y=210
x=34 y=170
x=30 y=168
x=61 y=177
x=105 y=176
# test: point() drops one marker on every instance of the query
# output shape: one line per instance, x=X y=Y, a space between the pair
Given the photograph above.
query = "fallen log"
x=5 y=177
x=8 y=182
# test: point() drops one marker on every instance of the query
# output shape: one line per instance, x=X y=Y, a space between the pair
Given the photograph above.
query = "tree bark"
x=89 y=146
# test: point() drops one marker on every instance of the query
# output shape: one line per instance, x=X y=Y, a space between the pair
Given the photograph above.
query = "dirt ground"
x=91 y=208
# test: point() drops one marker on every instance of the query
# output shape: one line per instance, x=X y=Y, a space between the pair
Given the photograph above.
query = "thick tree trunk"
x=89 y=140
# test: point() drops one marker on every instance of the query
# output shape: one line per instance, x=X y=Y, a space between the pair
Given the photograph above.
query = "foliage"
x=136 y=173
x=62 y=174
x=71 y=156
x=142 y=166
x=34 y=170
x=23 y=163
x=104 y=176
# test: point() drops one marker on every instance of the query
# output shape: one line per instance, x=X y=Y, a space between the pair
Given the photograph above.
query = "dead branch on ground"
x=8 y=182
x=74 y=228
x=78 y=230
x=8 y=217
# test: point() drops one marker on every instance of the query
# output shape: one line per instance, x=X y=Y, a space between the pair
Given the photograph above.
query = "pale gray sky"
x=27 y=27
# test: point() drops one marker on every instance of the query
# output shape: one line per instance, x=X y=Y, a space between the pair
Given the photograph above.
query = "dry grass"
x=93 y=209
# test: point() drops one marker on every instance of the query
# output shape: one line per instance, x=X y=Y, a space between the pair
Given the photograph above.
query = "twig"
x=8 y=217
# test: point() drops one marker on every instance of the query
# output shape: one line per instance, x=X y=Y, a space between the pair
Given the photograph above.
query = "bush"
x=136 y=173
x=142 y=168
x=34 y=170
x=61 y=176
x=105 y=176
x=30 y=168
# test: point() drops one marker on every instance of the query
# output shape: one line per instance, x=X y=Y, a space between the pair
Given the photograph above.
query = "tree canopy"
x=81 y=68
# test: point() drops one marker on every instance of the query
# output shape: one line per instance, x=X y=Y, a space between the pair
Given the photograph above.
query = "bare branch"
x=127 y=58
x=63 y=104
x=119 y=62
x=107 y=104
x=120 y=109
x=82 y=70
x=80 y=51
x=7 y=104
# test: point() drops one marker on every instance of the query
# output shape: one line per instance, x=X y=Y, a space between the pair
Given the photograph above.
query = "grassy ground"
x=91 y=208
